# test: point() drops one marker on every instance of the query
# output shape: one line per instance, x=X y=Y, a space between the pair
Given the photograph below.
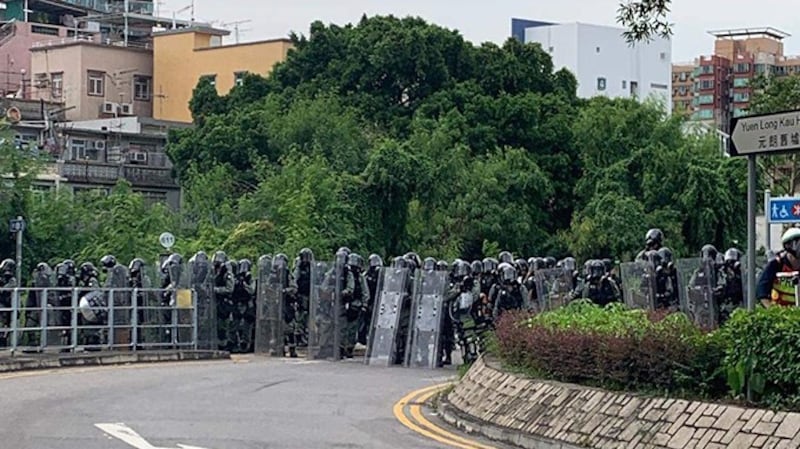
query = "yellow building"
x=182 y=56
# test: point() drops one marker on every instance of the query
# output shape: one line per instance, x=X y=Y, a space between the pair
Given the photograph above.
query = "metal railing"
x=76 y=319
x=89 y=39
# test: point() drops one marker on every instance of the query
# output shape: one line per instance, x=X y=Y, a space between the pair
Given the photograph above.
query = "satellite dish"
x=13 y=114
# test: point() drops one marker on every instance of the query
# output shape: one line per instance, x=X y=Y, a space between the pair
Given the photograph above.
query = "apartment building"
x=721 y=82
x=181 y=57
x=603 y=62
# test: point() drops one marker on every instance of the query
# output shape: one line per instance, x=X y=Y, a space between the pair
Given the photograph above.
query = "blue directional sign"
x=784 y=210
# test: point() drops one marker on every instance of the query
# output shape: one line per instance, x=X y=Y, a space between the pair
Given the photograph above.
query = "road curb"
x=31 y=362
x=458 y=420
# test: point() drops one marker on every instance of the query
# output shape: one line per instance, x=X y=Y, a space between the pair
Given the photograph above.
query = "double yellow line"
x=416 y=421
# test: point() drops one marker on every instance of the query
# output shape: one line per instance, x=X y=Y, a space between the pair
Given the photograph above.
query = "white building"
x=605 y=64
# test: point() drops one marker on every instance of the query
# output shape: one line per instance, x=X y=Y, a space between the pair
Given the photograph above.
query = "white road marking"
x=124 y=433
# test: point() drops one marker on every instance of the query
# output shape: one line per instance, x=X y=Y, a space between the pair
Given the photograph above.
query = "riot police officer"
x=37 y=299
x=731 y=293
x=92 y=309
x=666 y=281
x=139 y=280
x=508 y=294
x=653 y=240
x=461 y=301
x=66 y=280
x=506 y=257
x=171 y=270
x=8 y=281
x=355 y=300
x=223 y=289
x=243 y=298
x=302 y=276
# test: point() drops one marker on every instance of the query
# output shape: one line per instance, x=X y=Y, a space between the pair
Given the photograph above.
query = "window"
x=210 y=78
x=705 y=84
x=238 y=78
x=683 y=76
x=634 y=88
x=624 y=84
x=704 y=99
x=550 y=49
x=658 y=86
x=601 y=84
x=741 y=82
x=703 y=114
x=662 y=56
x=77 y=148
x=741 y=97
x=738 y=112
x=96 y=84
x=142 y=87
x=56 y=84
x=597 y=49
x=741 y=68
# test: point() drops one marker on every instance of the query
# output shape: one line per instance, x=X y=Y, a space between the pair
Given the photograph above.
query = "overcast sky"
x=481 y=21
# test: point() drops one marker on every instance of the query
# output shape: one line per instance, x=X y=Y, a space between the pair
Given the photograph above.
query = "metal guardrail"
x=59 y=320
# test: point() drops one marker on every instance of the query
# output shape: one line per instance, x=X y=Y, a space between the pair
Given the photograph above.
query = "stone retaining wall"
x=563 y=415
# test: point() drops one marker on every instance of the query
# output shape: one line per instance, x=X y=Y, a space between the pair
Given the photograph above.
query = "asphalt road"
x=251 y=403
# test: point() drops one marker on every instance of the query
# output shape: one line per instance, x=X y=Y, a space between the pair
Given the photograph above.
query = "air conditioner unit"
x=109 y=107
x=99 y=144
x=126 y=109
x=138 y=156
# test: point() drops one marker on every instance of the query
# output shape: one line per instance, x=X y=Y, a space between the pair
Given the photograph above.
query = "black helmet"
x=413 y=259
x=399 y=262
x=375 y=261
x=245 y=266
x=569 y=264
x=219 y=259
x=136 y=266
x=429 y=264
x=653 y=237
x=87 y=270
x=596 y=269
x=666 y=255
x=609 y=264
x=442 y=265
x=709 y=252
x=539 y=263
x=173 y=259
x=732 y=256
x=550 y=262
x=306 y=255
x=355 y=261
x=341 y=256
x=8 y=266
x=461 y=268
x=490 y=265
x=531 y=263
x=69 y=266
x=521 y=265
x=44 y=268
x=200 y=256
x=507 y=272
x=506 y=257
x=280 y=261
x=108 y=262
x=476 y=267
x=232 y=266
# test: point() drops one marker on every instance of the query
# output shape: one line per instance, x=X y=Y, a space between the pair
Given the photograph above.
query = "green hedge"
x=621 y=349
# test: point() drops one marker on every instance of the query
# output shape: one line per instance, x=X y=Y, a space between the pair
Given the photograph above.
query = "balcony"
x=84 y=39
x=91 y=172
x=109 y=7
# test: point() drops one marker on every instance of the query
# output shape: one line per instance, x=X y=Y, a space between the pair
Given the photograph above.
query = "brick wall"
x=587 y=417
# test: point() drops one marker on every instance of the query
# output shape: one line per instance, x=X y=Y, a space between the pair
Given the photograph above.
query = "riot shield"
x=201 y=280
x=638 y=285
x=427 y=313
x=383 y=347
x=262 y=332
x=696 y=282
x=554 y=288
x=323 y=312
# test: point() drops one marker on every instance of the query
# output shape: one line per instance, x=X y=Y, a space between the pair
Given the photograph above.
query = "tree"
x=644 y=19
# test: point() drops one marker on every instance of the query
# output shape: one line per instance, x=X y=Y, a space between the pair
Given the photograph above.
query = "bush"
x=763 y=349
x=614 y=348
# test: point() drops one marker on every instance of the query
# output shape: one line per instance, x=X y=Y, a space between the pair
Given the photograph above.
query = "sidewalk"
x=50 y=360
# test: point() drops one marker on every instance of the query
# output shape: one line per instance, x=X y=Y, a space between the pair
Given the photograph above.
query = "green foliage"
x=762 y=352
x=644 y=19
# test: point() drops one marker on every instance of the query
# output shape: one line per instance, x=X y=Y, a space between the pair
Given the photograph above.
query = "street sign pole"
x=767 y=221
x=751 y=232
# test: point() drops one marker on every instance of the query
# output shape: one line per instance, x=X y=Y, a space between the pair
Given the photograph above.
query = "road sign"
x=784 y=210
x=16 y=225
x=768 y=133
x=167 y=240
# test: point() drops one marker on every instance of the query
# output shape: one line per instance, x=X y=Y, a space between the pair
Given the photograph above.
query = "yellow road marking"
x=426 y=428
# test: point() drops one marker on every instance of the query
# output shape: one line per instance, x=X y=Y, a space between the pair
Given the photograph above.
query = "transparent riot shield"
x=638 y=285
x=427 y=313
x=383 y=348
x=696 y=282
x=324 y=317
x=262 y=344
x=274 y=324
x=201 y=280
x=554 y=288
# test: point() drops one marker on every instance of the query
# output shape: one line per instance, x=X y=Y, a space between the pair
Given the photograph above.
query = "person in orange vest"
x=773 y=290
